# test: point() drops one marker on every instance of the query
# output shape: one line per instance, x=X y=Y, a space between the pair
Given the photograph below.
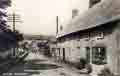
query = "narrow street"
x=38 y=65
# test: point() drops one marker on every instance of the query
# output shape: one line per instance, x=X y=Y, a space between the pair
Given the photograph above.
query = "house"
x=94 y=35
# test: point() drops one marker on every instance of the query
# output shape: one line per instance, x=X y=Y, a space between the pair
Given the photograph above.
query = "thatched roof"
x=103 y=12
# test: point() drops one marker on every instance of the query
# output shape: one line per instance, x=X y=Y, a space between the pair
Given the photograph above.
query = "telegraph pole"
x=14 y=18
x=56 y=25
x=57 y=31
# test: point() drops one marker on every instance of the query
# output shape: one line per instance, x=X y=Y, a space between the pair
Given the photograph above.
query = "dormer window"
x=100 y=36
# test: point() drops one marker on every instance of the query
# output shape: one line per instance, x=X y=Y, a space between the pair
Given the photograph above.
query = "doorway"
x=63 y=54
x=88 y=54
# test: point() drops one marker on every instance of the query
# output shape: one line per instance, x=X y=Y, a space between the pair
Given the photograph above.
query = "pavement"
x=9 y=63
x=39 y=65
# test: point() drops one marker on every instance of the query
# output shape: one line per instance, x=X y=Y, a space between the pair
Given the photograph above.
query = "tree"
x=18 y=36
x=5 y=3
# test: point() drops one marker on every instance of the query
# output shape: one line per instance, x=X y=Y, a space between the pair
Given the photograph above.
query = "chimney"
x=93 y=2
x=74 y=13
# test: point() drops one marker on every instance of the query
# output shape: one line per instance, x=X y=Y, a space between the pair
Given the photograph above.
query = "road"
x=38 y=65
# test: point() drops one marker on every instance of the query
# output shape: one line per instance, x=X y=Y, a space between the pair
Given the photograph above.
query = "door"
x=88 y=54
x=118 y=63
x=63 y=54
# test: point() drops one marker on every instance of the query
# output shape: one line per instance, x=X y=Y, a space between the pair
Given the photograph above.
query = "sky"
x=39 y=16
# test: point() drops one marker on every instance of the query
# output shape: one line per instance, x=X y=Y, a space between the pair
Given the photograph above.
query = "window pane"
x=99 y=55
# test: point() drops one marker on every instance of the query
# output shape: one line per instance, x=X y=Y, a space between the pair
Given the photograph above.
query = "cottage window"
x=99 y=55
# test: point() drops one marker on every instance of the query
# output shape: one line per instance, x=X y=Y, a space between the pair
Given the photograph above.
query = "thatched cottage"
x=94 y=35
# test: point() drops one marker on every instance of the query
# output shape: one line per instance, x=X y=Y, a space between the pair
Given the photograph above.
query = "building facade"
x=94 y=36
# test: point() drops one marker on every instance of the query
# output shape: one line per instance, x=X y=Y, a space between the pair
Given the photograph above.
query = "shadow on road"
x=42 y=66
x=36 y=60
x=35 y=64
x=31 y=67
x=31 y=73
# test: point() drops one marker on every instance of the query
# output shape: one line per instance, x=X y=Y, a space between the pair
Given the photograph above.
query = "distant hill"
x=38 y=37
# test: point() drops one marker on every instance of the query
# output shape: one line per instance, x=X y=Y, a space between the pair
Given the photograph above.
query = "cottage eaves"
x=103 y=12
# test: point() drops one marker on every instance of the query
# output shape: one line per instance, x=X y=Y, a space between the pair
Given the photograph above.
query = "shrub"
x=105 y=72
x=82 y=63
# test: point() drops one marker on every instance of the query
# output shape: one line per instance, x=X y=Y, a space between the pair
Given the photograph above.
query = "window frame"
x=99 y=57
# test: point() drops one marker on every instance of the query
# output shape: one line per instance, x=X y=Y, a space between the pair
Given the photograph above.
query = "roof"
x=101 y=13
